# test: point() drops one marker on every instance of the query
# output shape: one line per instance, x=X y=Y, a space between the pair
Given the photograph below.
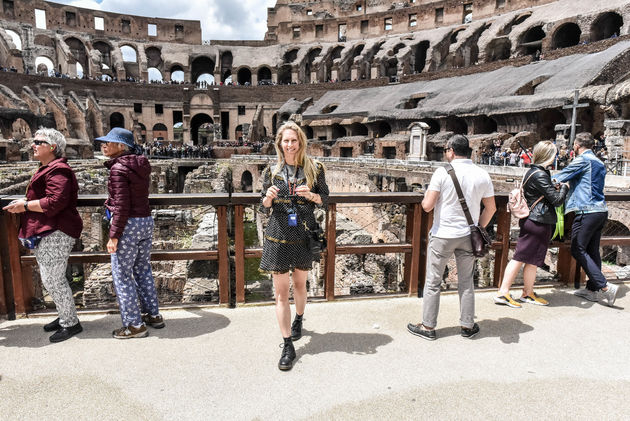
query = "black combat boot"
x=296 y=327
x=288 y=355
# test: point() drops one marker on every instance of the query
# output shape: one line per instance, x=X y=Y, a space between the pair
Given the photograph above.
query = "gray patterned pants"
x=52 y=257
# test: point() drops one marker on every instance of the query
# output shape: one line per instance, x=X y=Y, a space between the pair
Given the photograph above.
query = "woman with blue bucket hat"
x=130 y=234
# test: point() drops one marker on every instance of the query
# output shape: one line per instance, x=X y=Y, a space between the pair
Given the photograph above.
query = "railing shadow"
x=32 y=335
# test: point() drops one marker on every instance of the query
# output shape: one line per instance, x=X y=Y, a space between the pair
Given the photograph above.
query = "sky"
x=220 y=19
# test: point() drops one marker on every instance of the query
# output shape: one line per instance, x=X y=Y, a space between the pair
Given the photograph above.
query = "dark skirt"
x=533 y=242
x=281 y=256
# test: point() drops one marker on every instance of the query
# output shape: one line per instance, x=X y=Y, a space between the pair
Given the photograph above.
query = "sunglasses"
x=40 y=142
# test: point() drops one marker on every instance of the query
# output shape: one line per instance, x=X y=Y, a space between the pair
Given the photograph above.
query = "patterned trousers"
x=52 y=257
x=131 y=271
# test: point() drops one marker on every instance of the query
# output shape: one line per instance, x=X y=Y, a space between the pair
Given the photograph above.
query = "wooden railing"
x=16 y=286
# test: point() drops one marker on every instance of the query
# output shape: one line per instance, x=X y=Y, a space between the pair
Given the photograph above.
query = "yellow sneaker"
x=534 y=299
x=506 y=300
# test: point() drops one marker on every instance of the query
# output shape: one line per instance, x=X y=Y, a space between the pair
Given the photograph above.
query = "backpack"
x=517 y=205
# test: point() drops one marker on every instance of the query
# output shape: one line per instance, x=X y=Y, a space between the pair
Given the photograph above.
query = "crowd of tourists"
x=522 y=157
x=160 y=150
x=461 y=195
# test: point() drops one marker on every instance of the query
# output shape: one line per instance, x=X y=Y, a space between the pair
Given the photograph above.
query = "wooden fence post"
x=239 y=252
x=412 y=260
x=223 y=248
x=426 y=221
x=503 y=237
x=331 y=240
x=21 y=291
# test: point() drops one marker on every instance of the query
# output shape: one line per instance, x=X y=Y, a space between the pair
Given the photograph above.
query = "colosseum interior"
x=366 y=79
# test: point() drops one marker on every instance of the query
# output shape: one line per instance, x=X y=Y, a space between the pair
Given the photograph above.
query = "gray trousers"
x=52 y=257
x=440 y=251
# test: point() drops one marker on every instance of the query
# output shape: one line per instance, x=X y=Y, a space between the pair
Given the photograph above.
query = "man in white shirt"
x=450 y=235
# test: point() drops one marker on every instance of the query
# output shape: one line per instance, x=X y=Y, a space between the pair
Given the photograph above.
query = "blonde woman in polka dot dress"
x=291 y=189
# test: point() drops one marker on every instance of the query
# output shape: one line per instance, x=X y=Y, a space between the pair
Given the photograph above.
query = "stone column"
x=615 y=137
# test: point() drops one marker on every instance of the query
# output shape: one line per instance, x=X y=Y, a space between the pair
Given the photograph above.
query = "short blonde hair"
x=545 y=153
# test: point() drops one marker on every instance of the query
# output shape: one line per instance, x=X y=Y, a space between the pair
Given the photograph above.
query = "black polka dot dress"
x=287 y=247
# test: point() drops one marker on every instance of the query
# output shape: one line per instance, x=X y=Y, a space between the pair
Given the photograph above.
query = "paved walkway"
x=356 y=361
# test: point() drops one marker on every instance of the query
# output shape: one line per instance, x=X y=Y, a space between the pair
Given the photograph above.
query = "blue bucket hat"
x=118 y=135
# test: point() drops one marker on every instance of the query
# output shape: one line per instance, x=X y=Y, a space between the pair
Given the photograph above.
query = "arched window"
x=129 y=54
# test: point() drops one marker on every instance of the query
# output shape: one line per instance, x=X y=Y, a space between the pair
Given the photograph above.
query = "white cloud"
x=220 y=19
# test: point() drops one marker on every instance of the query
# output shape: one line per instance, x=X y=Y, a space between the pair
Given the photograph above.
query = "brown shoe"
x=156 y=322
x=130 y=332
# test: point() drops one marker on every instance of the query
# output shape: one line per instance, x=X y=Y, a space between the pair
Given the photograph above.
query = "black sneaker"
x=469 y=333
x=66 y=333
x=288 y=355
x=52 y=326
x=296 y=329
x=419 y=330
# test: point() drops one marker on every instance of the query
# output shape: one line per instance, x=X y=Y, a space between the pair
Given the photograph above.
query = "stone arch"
x=531 y=40
x=160 y=132
x=106 y=53
x=201 y=65
x=284 y=75
x=290 y=56
x=44 y=64
x=382 y=128
x=484 y=125
x=514 y=22
x=606 y=25
x=44 y=41
x=154 y=74
x=308 y=63
x=567 y=35
x=226 y=65
x=420 y=56
x=177 y=73
x=498 y=49
x=77 y=48
x=547 y=121
x=274 y=124
x=434 y=125
x=390 y=68
x=455 y=34
x=143 y=132
x=308 y=131
x=20 y=129
x=129 y=53
x=338 y=131
x=456 y=125
x=358 y=129
x=116 y=119
x=196 y=122
x=247 y=182
x=264 y=75
x=17 y=41
x=238 y=132
x=154 y=57
x=244 y=76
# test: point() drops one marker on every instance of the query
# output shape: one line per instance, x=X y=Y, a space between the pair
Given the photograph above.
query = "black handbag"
x=317 y=242
x=479 y=238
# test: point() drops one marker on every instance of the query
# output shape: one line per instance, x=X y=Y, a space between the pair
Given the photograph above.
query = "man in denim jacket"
x=586 y=175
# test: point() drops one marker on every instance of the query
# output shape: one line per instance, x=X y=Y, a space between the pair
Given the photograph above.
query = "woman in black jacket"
x=542 y=197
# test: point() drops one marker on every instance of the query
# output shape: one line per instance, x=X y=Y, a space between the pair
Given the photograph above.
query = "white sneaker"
x=611 y=294
x=587 y=294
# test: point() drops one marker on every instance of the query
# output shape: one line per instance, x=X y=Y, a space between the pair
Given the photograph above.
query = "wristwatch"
x=26 y=206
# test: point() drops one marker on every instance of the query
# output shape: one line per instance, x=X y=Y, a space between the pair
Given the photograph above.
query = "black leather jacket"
x=539 y=184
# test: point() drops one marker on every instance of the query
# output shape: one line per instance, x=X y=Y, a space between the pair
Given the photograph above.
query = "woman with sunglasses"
x=292 y=189
x=50 y=225
x=130 y=234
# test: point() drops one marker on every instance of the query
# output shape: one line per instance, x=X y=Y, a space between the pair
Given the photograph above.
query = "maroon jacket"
x=128 y=188
x=56 y=187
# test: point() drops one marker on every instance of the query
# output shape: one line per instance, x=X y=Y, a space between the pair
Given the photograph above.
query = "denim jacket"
x=586 y=176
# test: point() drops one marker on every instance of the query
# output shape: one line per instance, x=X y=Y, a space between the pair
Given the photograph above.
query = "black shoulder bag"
x=479 y=238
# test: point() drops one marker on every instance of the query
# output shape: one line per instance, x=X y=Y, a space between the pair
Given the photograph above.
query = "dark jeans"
x=585 y=234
